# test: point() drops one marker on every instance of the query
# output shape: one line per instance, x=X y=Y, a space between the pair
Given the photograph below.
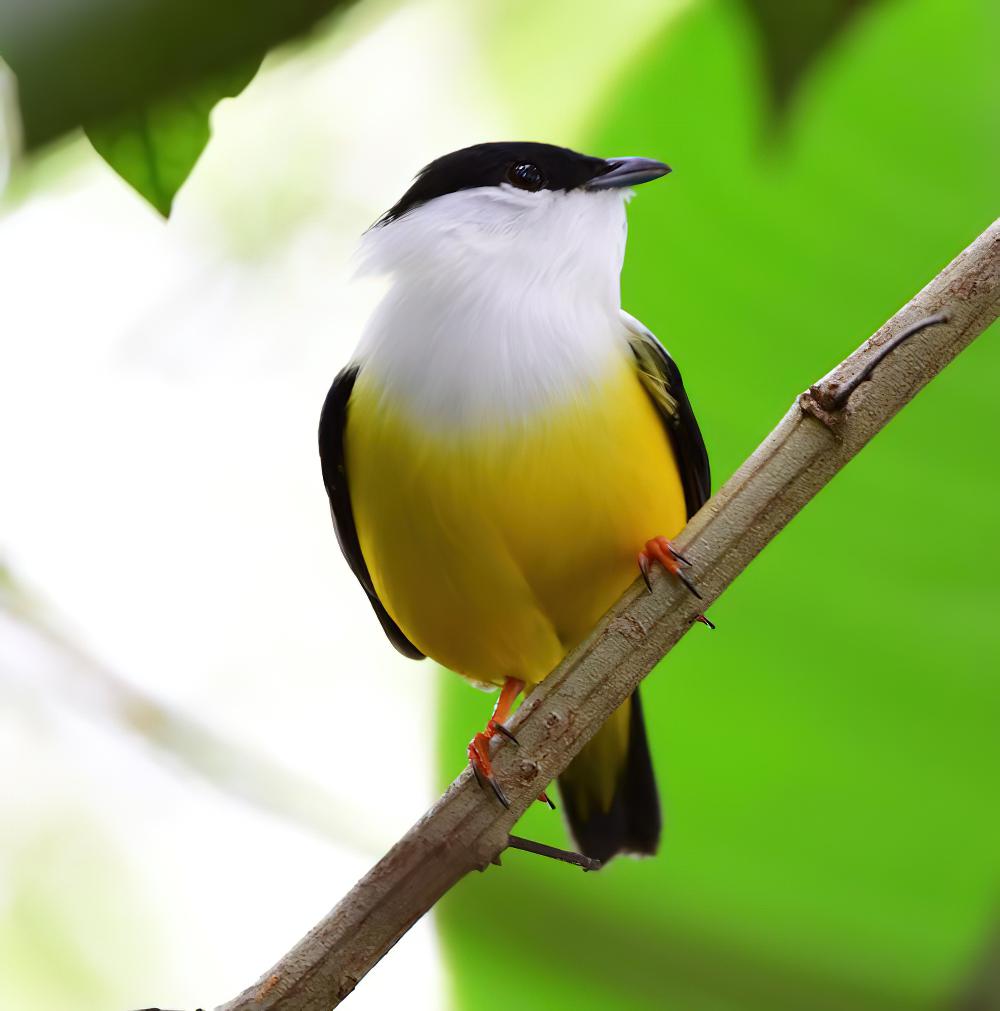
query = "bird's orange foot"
x=479 y=746
x=659 y=549
x=479 y=757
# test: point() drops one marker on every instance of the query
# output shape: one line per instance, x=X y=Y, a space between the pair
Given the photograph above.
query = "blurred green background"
x=829 y=758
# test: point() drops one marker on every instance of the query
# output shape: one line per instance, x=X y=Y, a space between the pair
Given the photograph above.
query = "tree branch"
x=467 y=829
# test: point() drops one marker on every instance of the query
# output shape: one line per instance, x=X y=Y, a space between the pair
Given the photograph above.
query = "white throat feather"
x=500 y=304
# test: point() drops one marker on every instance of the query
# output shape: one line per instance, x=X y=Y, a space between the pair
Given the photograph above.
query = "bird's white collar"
x=500 y=304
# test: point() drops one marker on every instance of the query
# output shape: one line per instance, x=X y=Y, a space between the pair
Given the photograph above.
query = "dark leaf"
x=794 y=35
x=89 y=61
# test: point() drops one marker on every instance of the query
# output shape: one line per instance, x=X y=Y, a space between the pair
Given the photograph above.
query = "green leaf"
x=155 y=149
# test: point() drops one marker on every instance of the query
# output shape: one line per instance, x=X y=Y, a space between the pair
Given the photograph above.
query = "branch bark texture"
x=467 y=829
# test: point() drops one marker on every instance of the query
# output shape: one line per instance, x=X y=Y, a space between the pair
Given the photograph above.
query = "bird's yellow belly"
x=496 y=551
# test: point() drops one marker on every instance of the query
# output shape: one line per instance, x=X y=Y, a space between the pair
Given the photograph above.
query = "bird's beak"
x=628 y=172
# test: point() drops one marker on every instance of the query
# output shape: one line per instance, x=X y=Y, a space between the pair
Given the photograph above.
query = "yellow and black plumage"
x=506 y=439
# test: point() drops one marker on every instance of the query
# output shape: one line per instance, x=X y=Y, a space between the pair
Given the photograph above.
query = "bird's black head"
x=525 y=165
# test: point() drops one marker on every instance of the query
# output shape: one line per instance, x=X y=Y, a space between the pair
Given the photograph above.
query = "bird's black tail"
x=609 y=791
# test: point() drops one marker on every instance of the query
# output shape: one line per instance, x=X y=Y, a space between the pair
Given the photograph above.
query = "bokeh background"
x=204 y=736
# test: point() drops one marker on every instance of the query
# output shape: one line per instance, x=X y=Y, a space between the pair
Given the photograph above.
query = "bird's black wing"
x=332 y=423
x=662 y=380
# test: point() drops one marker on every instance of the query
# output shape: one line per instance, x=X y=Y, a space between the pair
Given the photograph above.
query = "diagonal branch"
x=466 y=830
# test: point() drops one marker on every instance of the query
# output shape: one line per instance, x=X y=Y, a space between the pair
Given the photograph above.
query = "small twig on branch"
x=832 y=396
x=516 y=842
x=467 y=829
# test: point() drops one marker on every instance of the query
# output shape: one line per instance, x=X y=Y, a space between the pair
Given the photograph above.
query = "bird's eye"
x=525 y=176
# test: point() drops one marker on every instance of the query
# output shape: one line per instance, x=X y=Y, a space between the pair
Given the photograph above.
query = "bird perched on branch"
x=505 y=440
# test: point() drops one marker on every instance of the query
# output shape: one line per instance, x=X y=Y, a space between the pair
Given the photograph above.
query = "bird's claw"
x=484 y=778
x=479 y=758
x=659 y=549
x=499 y=728
x=686 y=580
x=644 y=567
x=479 y=746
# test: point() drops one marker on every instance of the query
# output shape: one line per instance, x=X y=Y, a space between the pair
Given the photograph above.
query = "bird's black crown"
x=527 y=165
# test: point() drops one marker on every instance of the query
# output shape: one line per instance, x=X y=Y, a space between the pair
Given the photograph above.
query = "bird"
x=506 y=443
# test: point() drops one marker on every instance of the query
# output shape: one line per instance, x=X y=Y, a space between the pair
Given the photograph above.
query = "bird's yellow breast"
x=497 y=549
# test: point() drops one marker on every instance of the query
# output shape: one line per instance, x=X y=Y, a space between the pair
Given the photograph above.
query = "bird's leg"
x=659 y=549
x=479 y=746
